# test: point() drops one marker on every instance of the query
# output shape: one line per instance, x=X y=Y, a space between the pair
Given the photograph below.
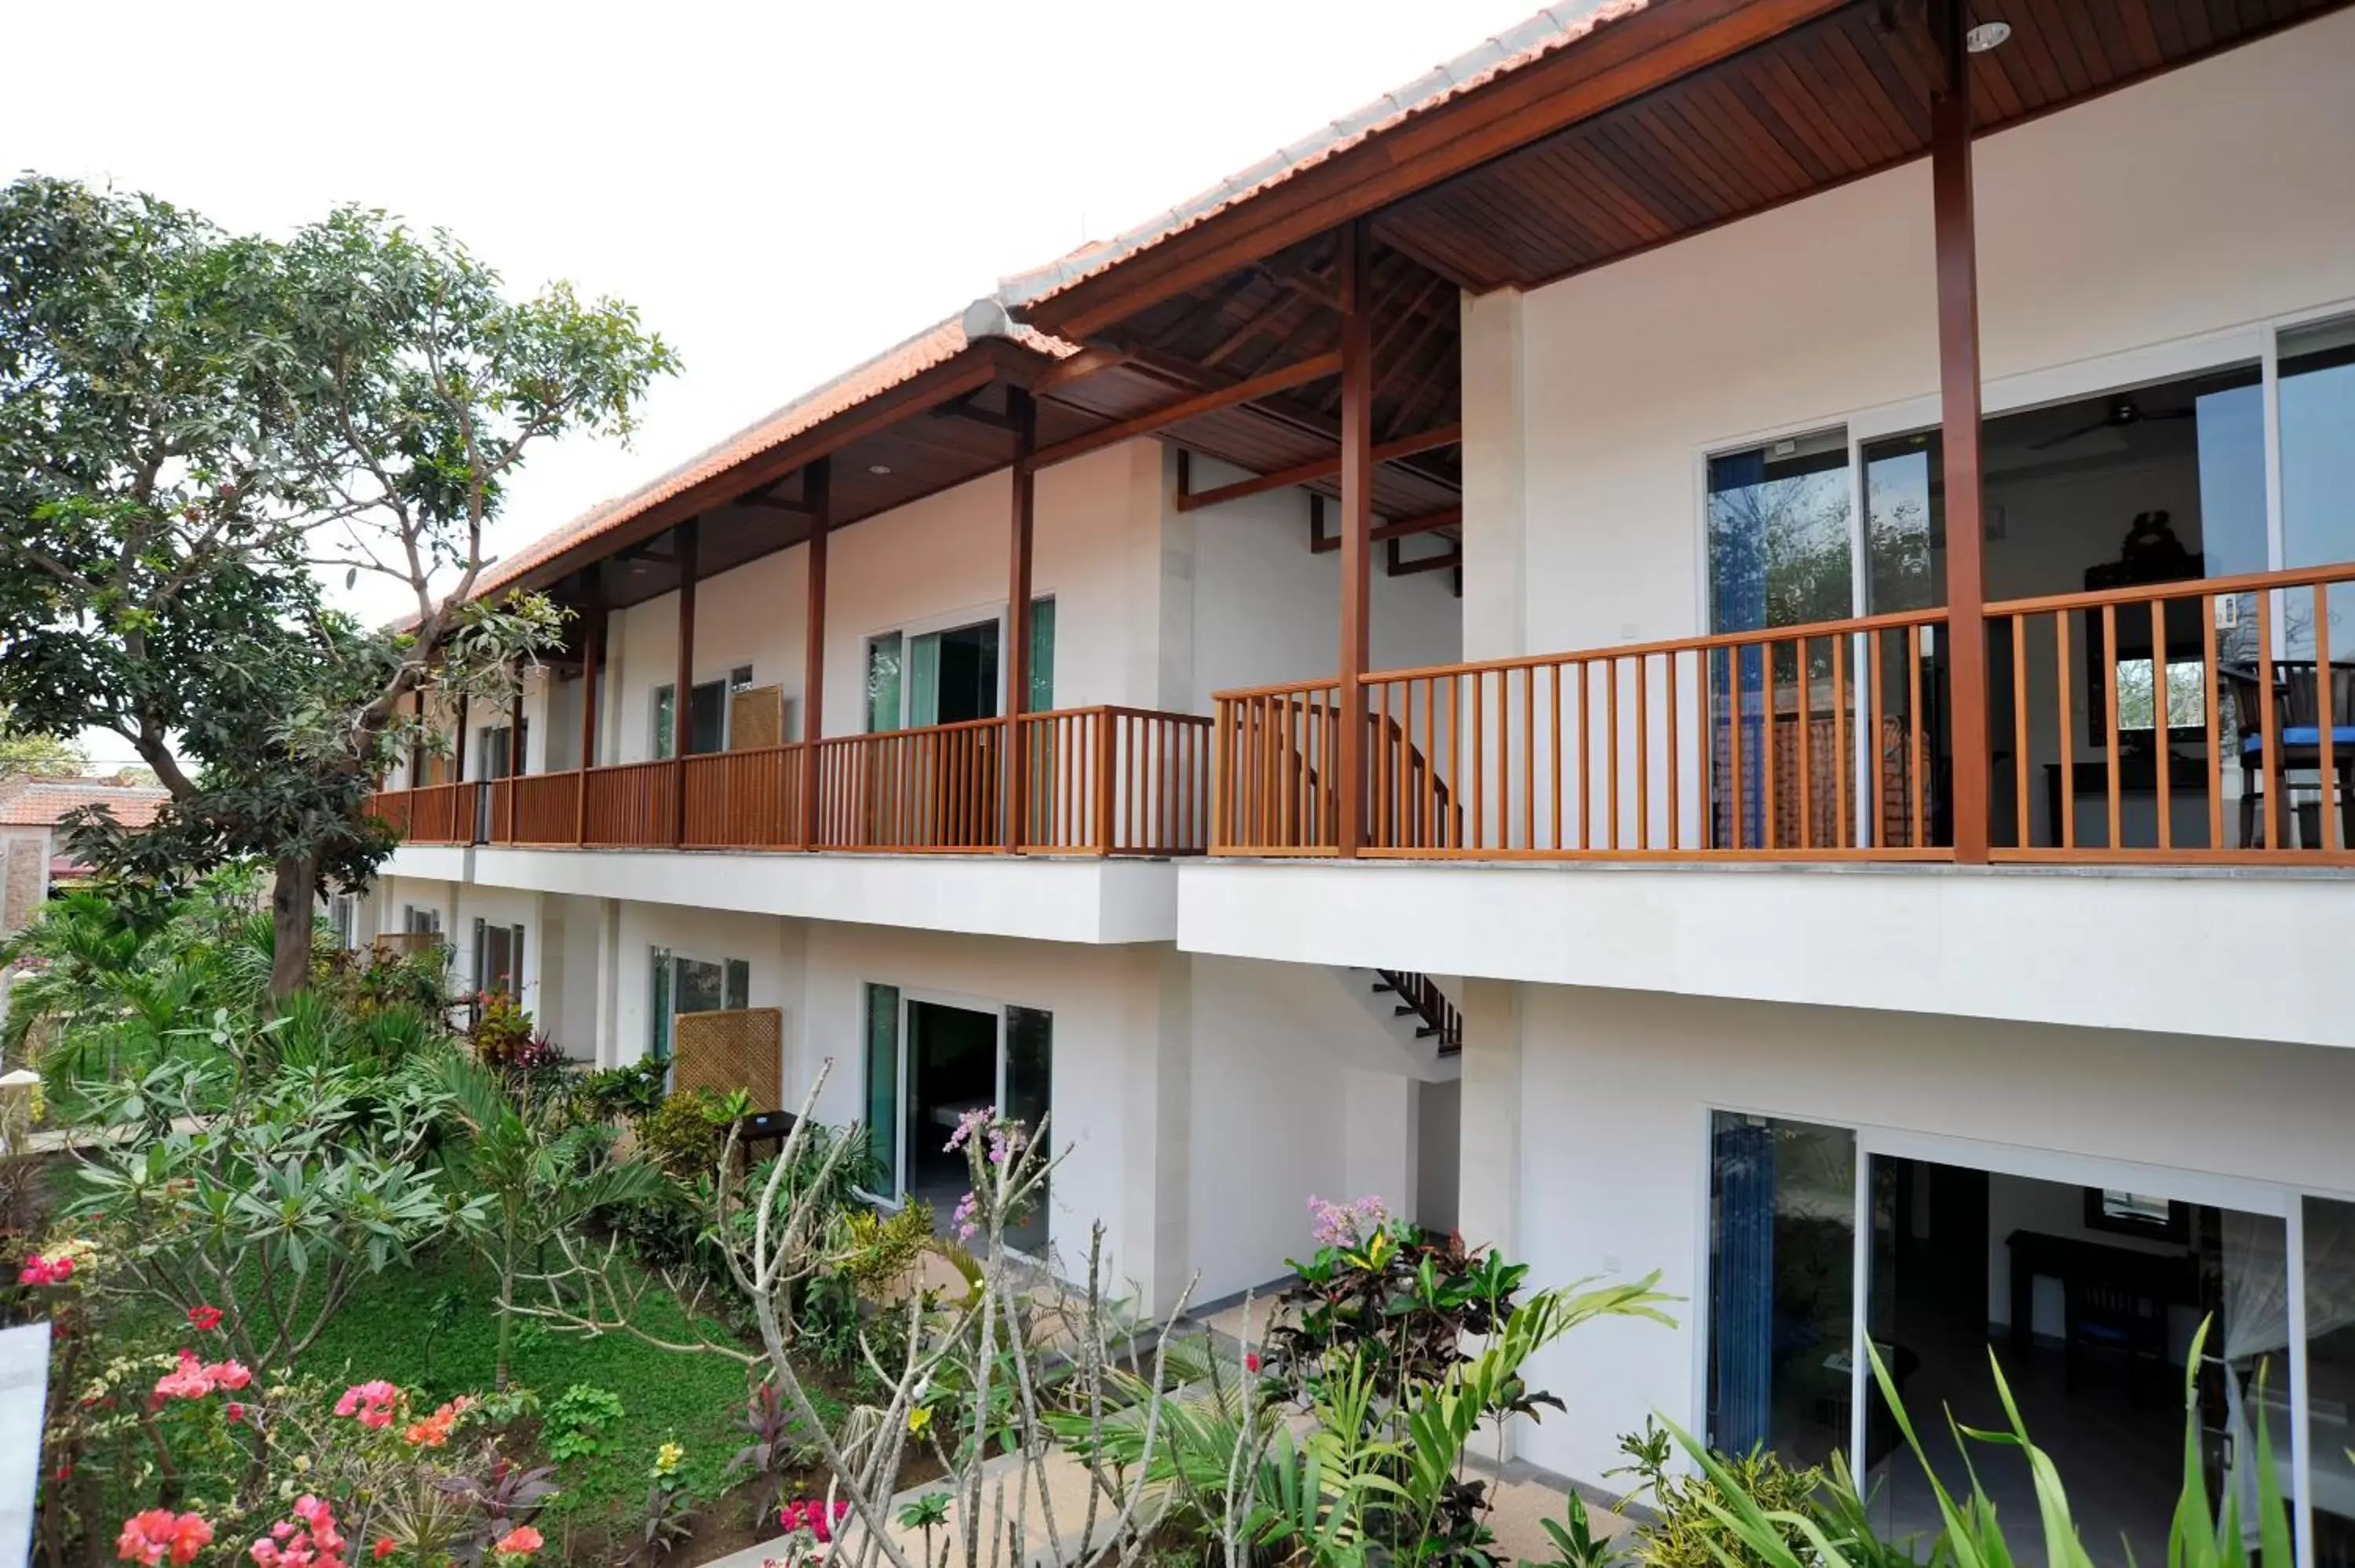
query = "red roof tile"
x=935 y=345
x=40 y=802
x=1551 y=30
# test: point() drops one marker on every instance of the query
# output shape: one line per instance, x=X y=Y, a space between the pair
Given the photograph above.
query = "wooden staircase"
x=1419 y=997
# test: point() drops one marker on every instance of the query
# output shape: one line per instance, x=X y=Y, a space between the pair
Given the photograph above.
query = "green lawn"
x=696 y=1400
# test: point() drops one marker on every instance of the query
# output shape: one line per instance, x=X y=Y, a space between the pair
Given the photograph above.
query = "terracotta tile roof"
x=903 y=363
x=1555 y=28
x=40 y=802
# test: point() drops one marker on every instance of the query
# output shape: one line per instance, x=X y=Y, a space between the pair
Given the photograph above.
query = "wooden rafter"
x=966 y=407
x=1322 y=468
x=766 y=499
x=1406 y=527
x=1297 y=374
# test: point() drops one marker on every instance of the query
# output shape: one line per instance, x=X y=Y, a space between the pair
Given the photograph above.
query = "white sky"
x=782 y=190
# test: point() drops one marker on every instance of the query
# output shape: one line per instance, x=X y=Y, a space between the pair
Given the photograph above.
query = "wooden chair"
x=2111 y=1315
x=2297 y=739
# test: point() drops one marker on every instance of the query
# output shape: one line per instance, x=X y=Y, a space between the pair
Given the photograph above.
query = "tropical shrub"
x=578 y=1420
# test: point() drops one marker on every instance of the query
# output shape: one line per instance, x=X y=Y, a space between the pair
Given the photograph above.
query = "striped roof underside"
x=893 y=367
x=1551 y=30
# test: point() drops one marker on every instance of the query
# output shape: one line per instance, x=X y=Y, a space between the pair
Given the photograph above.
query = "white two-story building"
x=1781 y=570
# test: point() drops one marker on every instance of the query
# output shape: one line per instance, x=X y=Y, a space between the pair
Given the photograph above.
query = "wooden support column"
x=515 y=731
x=1357 y=524
x=1024 y=413
x=458 y=744
x=682 y=697
x=818 y=497
x=1959 y=385
x=593 y=677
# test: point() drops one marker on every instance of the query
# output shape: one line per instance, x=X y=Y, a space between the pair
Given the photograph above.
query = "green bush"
x=627 y=1093
x=686 y=1135
x=578 y=1421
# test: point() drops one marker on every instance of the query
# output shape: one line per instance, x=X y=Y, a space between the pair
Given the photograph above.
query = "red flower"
x=236 y=1410
x=1250 y=1360
x=522 y=1541
x=383 y=1548
x=205 y=1318
x=147 y=1538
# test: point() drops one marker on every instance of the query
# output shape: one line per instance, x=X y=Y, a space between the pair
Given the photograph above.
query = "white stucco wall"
x=2201 y=202
x=1615 y=1090
x=1267 y=610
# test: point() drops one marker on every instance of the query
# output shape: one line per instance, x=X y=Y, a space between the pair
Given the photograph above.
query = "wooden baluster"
x=2019 y=728
x=1611 y=745
x=1917 y=750
x=2110 y=706
x=1843 y=747
x=1528 y=756
x=1643 y=753
x=2159 y=715
x=2067 y=832
x=1733 y=751
x=1807 y=752
x=1480 y=760
x=1875 y=674
x=1585 y=761
x=1553 y=736
x=2215 y=747
x=1675 y=721
x=1770 y=829
x=2325 y=717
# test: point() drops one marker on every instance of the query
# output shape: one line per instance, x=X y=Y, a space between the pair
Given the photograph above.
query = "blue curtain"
x=1737 y=546
x=1743 y=1309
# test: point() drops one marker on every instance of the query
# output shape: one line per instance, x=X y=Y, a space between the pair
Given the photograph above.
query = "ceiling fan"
x=2121 y=412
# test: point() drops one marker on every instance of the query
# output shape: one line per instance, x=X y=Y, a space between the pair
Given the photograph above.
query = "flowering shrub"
x=194 y=1379
x=308 y=1540
x=371 y=1403
x=151 y=1536
x=39 y=1270
x=813 y=1517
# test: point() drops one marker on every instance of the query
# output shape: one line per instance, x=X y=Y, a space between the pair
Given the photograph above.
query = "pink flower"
x=148 y=1537
x=236 y=1410
x=372 y=1402
x=39 y=1270
x=188 y=1381
x=206 y=1319
x=521 y=1541
x=229 y=1375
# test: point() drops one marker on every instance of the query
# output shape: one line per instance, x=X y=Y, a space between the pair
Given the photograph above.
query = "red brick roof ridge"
x=40 y=802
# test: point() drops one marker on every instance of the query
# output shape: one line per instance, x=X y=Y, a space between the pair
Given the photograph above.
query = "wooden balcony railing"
x=1100 y=781
x=2257 y=765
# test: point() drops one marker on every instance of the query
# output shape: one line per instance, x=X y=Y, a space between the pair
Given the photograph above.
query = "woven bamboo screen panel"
x=756 y=718
x=727 y=1051
x=404 y=944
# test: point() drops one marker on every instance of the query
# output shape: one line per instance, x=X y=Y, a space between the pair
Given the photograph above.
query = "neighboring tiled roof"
x=1556 y=28
x=898 y=365
x=40 y=802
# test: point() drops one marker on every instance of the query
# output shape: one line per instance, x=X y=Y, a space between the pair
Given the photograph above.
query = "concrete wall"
x=2201 y=202
x=1614 y=1090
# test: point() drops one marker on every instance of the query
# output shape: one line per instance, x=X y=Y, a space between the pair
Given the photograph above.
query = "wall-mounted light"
x=1986 y=36
x=879 y=468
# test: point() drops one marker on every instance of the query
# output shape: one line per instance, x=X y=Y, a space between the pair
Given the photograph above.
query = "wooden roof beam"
x=1298 y=373
x=1431 y=439
x=1406 y=527
x=767 y=499
x=964 y=408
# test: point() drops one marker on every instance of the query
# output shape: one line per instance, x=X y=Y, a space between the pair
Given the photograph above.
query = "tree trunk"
x=294 y=897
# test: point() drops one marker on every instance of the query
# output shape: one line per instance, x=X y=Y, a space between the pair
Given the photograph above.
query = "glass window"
x=883 y=1078
x=1782 y=1286
x=658 y=1005
x=666 y=704
x=2318 y=467
x=701 y=986
x=883 y=682
x=1904 y=524
x=739 y=985
x=1779 y=551
x=1042 y=656
x=2331 y=1376
x=1029 y=1095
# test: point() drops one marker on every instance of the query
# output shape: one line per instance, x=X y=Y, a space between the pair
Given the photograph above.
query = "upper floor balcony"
x=1099 y=782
